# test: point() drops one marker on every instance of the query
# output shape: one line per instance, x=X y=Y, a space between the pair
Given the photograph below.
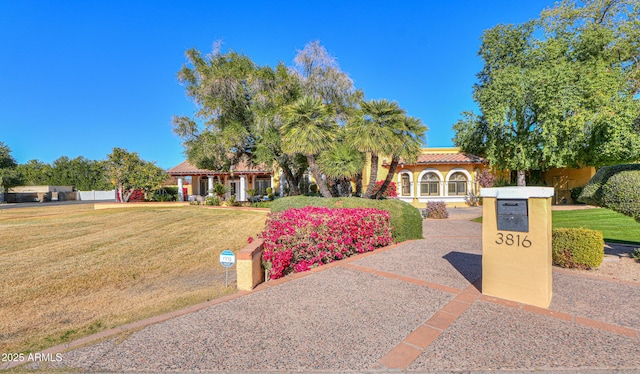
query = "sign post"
x=227 y=259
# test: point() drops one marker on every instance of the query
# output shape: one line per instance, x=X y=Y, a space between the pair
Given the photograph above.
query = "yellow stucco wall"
x=564 y=179
x=443 y=172
x=517 y=265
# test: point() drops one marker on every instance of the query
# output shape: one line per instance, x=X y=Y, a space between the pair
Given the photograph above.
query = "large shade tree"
x=508 y=130
x=262 y=114
x=128 y=173
x=84 y=174
x=35 y=172
x=558 y=91
x=242 y=107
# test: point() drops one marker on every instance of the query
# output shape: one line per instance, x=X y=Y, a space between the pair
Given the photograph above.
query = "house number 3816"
x=511 y=240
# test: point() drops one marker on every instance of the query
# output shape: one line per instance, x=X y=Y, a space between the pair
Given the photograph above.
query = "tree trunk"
x=392 y=170
x=291 y=180
x=521 y=178
x=373 y=176
x=358 y=180
x=322 y=186
x=345 y=187
x=120 y=192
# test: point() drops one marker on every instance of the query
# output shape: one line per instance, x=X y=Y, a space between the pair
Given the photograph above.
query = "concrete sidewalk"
x=413 y=307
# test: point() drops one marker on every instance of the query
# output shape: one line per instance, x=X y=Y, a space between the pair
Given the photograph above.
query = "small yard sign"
x=227 y=259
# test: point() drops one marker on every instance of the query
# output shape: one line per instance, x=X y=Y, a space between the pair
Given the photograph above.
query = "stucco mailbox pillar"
x=516 y=244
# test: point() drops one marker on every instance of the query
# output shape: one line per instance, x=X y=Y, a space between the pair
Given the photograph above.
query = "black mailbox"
x=513 y=215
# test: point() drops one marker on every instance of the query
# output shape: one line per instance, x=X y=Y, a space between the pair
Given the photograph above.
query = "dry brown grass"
x=69 y=271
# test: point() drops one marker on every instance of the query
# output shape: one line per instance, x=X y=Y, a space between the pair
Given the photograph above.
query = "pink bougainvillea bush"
x=392 y=190
x=297 y=240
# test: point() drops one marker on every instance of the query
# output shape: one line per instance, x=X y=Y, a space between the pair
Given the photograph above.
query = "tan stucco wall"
x=564 y=179
x=517 y=265
x=444 y=172
x=20 y=189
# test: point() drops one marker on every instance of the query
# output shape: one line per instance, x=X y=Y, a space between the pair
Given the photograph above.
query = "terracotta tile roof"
x=446 y=159
x=186 y=168
x=450 y=158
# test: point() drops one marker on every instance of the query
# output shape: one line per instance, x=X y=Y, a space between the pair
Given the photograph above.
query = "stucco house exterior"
x=439 y=174
x=241 y=177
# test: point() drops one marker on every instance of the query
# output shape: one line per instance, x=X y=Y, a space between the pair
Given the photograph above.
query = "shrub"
x=164 y=194
x=575 y=193
x=269 y=192
x=251 y=193
x=297 y=240
x=231 y=201
x=219 y=189
x=577 y=248
x=592 y=192
x=636 y=254
x=405 y=220
x=212 y=200
x=437 y=209
x=261 y=204
x=392 y=190
x=485 y=178
x=137 y=196
x=621 y=193
x=171 y=190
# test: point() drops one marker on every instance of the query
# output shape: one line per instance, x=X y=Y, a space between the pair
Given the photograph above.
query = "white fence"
x=97 y=195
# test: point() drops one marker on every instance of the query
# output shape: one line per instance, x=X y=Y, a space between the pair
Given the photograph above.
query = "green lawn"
x=615 y=227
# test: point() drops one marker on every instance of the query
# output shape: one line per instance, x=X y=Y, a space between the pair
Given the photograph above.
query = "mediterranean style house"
x=439 y=174
x=193 y=182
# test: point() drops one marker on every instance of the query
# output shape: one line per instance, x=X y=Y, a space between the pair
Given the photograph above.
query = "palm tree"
x=373 y=132
x=341 y=162
x=219 y=190
x=308 y=130
x=409 y=132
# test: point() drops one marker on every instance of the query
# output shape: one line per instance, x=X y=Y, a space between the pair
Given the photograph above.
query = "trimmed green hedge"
x=577 y=248
x=621 y=193
x=592 y=193
x=406 y=221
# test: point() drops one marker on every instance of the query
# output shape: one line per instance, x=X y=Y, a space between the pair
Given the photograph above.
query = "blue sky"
x=78 y=78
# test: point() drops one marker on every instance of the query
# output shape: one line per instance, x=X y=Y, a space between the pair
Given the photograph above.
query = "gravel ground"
x=597 y=299
x=617 y=264
x=343 y=320
x=434 y=260
x=312 y=322
x=491 y=337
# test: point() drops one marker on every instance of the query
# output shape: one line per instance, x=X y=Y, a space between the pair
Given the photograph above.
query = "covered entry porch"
x=237 y=181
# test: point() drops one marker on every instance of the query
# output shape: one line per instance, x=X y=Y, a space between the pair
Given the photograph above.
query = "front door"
x=204 y=184
x=233 y=188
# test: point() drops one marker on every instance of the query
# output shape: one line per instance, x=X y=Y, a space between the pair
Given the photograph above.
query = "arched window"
x=457 y=184
x=430 y=185
x=406 y=185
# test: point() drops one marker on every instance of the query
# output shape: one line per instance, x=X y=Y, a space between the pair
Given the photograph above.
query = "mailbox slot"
x=513 y=215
